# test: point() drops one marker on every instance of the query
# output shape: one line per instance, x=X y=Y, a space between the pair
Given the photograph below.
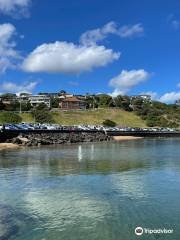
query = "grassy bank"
x=121 y=117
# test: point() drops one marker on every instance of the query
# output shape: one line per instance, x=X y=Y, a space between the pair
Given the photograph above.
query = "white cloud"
x=96 y=35
x=127 y=80
x=129 y=31
x=15 y=7
x=63 y=57
x=170 y=97
x=178 y=85
x=7 y=47
x=16 y=88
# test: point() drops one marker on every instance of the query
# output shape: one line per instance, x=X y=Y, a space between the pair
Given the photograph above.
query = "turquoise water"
x=99 y=191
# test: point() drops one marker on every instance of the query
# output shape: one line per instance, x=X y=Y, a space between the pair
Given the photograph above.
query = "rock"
x=37 y=139
x=22 y=139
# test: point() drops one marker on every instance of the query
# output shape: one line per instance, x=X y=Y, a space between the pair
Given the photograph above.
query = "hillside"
x=121 y=117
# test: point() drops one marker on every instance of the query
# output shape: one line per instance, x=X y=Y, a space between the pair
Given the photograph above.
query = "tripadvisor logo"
x=139 y=231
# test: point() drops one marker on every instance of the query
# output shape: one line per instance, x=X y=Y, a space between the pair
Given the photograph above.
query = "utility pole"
x=20 y=107
x=93 y=103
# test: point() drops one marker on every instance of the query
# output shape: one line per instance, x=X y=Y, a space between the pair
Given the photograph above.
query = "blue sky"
x=116 y=47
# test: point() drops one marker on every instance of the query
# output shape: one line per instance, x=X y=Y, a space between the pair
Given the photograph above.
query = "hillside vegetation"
x=119 y=116
x=133 y=111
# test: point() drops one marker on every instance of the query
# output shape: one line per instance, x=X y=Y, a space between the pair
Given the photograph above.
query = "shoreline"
x=38 y=139
x=121 y=138
x=6 y=146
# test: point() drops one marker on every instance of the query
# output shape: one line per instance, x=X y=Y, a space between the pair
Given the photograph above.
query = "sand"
x=4 y=146
x=120 y=138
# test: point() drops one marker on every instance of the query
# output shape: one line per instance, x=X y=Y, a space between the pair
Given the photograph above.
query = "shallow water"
x=99 y=191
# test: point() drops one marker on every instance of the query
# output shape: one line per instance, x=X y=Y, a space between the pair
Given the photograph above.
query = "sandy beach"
x=120 y=138
x=4 y=146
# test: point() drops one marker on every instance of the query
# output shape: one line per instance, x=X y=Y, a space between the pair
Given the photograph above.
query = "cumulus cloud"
x=27 y=87
x=15 y=7
x=8 y=54
x=63 y=57
x=127 y=80
x=170 y=97
x=96 y=35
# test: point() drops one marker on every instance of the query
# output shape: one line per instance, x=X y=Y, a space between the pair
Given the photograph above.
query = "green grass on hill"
x=121 y=117
x=26 y=117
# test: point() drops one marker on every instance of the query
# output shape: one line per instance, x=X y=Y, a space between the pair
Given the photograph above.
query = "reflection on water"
x=90 y=191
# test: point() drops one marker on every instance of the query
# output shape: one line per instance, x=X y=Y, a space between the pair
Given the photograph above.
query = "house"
x=177 y=102
x=65 y=95
x=37 y=99
x=8 y=98
x=145 y=97
x=24 y=97
x=72 y=103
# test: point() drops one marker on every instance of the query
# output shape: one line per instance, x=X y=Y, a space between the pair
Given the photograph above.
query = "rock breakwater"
x=37 y=139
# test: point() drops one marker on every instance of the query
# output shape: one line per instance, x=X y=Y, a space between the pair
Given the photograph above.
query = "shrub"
x=41 y=106
x=42 y=116
x=109 y=123
x=10 y=117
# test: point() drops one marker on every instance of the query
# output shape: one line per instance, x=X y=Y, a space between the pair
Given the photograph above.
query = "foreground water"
x=98 y=191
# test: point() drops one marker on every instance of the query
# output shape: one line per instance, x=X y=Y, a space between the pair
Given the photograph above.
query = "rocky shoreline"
x=38 y=139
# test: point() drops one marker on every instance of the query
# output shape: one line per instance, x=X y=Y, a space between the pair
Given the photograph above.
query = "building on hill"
x=177 y=102
x=35 y=100
x=72 y=103
x=81 y=97
x=143 y=96
x=65 y=95
x=8 y=98
x=24 y=97
x=61 y=95
x=51 y=94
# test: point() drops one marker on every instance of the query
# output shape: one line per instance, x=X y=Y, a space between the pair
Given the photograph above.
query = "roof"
x=72 y=99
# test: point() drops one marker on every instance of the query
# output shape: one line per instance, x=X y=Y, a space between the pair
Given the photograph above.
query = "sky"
x=94 y=46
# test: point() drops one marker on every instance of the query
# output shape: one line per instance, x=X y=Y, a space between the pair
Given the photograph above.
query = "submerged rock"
x=13 y=222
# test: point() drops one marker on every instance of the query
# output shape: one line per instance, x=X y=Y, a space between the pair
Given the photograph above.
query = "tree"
x=8 y=96
x=92 y=102
x=104 y=100
x=26 y=106
x=24 y=94
x=2 y=106
x=13 y=106
x=137 y=104
x=41 y=106
x=54 y=102
x=109 y=123
x=123 y=102
x=42 y=116
x=10 y=117
x=62 y=92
